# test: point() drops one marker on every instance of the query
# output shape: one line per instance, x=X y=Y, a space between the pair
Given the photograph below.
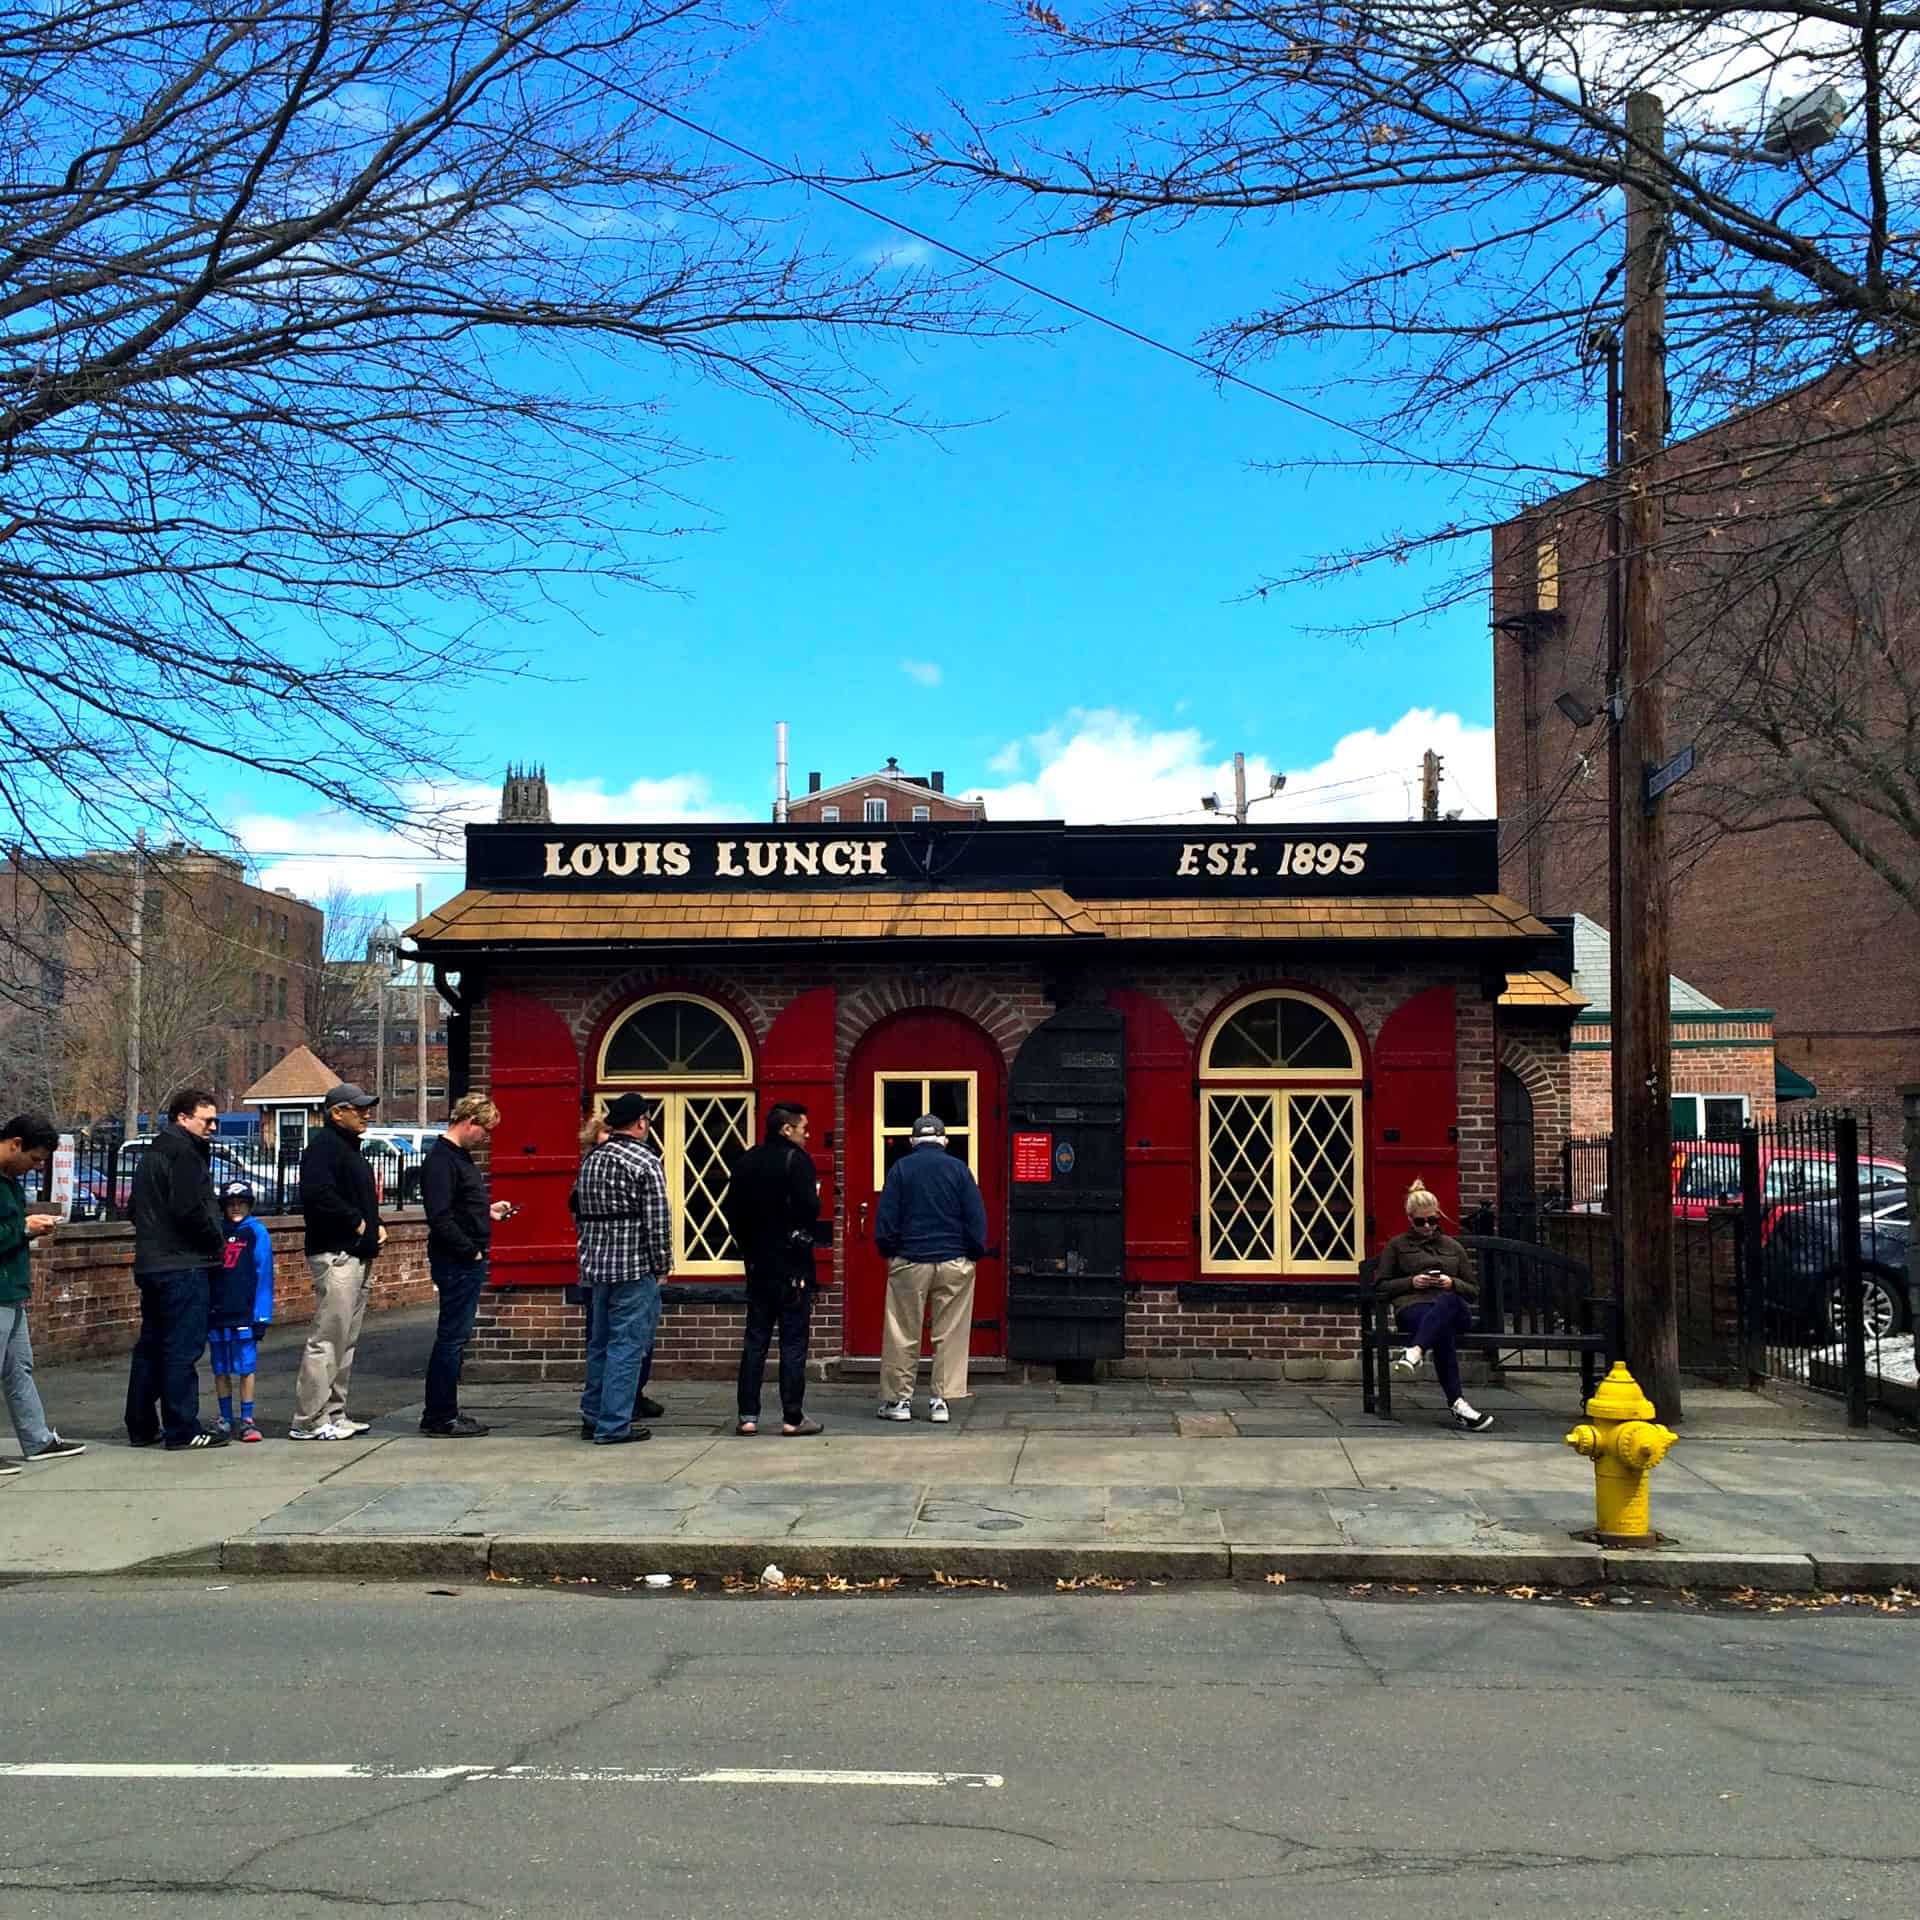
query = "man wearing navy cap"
x=342 y=1210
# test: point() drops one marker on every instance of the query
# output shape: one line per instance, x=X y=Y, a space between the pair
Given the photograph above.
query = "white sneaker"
x=896 y=1410
x=345 y=1429
x=326 y=1430
x=937 y=1411
x=1409 y=1362
x=1468 y=1418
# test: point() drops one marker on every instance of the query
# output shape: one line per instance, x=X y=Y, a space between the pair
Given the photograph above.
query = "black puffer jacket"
x=337 y=1195
x=176 y=1220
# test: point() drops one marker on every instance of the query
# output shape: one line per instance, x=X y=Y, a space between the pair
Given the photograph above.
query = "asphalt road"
x=1214 y=1752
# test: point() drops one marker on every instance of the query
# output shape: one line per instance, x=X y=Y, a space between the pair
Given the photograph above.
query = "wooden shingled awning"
x=482 y=917
x=1542 y=991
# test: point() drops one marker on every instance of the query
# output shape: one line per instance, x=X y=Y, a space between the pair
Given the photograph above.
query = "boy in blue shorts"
x=239 y=1306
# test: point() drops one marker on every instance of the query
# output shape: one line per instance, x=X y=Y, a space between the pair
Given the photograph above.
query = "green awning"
x=1788 y=1085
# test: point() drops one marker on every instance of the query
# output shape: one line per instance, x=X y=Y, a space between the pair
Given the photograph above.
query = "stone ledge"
x=390 y=1556
x=1709 y=1572
x=1572 y=1566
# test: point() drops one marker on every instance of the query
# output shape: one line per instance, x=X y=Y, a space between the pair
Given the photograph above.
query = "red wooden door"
x=915 y=1063
x=1161 y=1128
x=1414 y=1122
x=534 y=1155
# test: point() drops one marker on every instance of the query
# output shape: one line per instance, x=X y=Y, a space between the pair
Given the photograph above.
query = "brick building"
x=1785 y=918
x=1193 y=1076
x=886 y=795
x=246 y=952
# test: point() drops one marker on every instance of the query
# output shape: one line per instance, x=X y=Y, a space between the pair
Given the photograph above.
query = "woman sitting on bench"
x=1426 y=1279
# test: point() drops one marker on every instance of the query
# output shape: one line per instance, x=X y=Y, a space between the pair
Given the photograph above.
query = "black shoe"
x=586 y=1429
x=152 y=1440
x=58 y=1449
x=201 y=1441
x=621 y=1439
x=645 y=1409
x=462 y=1426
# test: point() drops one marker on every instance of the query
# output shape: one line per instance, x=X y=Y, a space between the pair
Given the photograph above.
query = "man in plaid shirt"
x=626 y=1245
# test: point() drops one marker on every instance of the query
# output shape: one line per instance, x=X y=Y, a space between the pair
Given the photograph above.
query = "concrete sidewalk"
x=1033 y=1482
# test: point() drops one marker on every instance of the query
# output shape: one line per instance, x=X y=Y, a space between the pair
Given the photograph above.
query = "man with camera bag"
x=772 y=1203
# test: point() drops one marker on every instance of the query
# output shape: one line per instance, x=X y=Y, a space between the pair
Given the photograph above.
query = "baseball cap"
x=237 y=1190
x=346 y=1094
x=929 y=1127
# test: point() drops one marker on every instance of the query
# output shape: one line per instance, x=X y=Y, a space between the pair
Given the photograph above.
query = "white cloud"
x=1109 y=766
x=898 y=255
x=1007 y=761
x=312 y=853
x=923 y=673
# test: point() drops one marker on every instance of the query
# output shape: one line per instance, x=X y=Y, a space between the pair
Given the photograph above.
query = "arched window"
x=695 y=1066
x=1280 y=1139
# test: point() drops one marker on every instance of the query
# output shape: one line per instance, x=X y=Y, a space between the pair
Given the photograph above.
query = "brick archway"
x=1007 y=1017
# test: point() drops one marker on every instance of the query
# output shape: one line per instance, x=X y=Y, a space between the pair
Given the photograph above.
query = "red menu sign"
x=1033 y=1156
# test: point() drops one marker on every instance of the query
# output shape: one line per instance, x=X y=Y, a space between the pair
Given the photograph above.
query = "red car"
x=1706 y=1174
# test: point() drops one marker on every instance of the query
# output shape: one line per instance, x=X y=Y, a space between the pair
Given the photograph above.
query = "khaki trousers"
x=916 y=1288
x=341 y=1285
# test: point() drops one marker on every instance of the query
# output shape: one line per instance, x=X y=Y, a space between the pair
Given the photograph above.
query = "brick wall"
x=85 y=1303
x=1709 y=1056
x=1223 y=1333
x=1537 y=1052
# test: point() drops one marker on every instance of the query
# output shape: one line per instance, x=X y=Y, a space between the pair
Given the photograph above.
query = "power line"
x=982 y=265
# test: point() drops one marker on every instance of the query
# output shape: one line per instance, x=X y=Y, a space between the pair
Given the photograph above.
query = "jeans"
x=773 y=1300
x=620 y=1326
x=1435 y=1325
x=173 y=1329
x=459 y=1284
x=16 y=1381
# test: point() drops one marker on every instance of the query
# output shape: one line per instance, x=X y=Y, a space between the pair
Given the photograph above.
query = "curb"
x=626 y=1560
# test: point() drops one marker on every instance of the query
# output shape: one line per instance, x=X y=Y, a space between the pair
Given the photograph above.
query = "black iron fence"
x=1790 y=1256
x=98 y=1183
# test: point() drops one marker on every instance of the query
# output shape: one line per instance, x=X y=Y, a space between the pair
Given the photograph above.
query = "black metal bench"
x=1532 y=1300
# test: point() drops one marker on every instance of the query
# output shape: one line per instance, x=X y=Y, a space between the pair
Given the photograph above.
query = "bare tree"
x=330 y=333
x=341 y=985
x=1456 y=168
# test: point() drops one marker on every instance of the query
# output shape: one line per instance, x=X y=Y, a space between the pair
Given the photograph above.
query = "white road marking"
x=376 y=1770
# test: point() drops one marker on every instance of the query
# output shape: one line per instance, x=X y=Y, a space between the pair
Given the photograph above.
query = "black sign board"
x=1349 y=860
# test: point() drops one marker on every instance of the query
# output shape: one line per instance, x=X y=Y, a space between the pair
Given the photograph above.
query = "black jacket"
x=454 y=1192
x=337 y=1195
x=772 y=1195
x=176 y=1220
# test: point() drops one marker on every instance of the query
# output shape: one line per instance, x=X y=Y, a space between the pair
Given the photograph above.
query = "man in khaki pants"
x=932 y=1226
x=342 y=1210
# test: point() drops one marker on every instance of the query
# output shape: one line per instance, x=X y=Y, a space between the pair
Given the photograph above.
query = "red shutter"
x=1161 y=1126
x=796 y=1063
x=1414 y=1111
x=535 y=1158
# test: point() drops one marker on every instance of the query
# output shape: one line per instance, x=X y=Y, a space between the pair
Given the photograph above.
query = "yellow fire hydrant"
x=1625 y=1444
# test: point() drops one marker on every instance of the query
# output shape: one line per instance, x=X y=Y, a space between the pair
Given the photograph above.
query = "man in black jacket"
x=177 y=1236
x=773 y=1200
x=459 y=1230
x=342 y=1210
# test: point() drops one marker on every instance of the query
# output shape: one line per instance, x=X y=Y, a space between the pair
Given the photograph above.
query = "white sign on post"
x=60 y=1178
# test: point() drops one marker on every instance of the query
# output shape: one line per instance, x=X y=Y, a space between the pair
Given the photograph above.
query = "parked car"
x=1803 y=1264
x=231 y=1160
x=1706 y=1174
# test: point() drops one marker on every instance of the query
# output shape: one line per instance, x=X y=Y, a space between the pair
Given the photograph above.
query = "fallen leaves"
x=1276 y=1579
x=965 y=1580
x=1093 y=1582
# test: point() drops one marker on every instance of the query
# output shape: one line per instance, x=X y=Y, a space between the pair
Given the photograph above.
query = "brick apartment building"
x=1786 y=918
x=886 y=795
x=251 y=948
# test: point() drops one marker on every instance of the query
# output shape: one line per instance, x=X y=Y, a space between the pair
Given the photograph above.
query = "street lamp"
x=383 y=955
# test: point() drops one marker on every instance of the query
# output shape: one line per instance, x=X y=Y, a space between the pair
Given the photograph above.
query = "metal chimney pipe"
x=780 y=770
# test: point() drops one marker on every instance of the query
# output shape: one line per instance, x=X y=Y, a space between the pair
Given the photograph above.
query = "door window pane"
x=1242 y=1223
x=950 y=1100
x=900 y=1102
x=1322 y=1220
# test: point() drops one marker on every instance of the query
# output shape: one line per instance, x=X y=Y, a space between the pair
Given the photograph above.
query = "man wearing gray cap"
x=344 y=1233
x=932 y=1227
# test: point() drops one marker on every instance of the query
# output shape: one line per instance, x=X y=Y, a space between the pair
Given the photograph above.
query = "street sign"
x=1676 y=770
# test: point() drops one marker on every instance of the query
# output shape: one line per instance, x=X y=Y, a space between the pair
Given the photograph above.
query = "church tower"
x=523 y=798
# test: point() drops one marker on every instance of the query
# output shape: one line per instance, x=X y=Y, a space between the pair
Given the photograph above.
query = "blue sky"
x=1052 y=605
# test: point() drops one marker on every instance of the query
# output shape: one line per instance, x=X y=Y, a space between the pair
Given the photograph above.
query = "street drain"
x=999 y=1526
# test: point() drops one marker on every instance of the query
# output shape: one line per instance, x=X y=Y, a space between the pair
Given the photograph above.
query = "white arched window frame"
x=1281 y=1148
x=692 y=1061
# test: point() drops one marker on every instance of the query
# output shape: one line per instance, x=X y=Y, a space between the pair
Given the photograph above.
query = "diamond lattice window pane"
x=1322 y=1183
x=1241 y=1160
x=714 y=1130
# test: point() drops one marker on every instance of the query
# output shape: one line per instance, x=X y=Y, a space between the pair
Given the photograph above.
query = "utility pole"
x=1430 y=765
x=136 y=950
x=1642 y=1025
x=1239 y=789
x=419 y=1013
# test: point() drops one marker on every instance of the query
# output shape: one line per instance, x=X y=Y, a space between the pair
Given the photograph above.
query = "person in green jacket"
x=1426 y=1278
x=27 y=1142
